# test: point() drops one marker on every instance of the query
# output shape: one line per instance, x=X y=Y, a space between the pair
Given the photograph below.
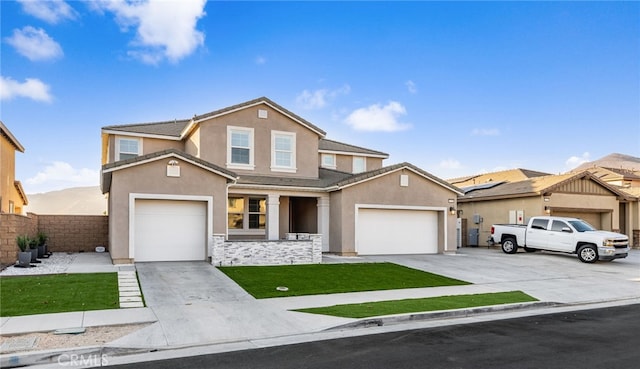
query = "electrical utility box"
x=474 y=236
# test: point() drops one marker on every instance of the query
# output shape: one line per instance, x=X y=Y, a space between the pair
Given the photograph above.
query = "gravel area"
x=94 y=336
x=57 y=263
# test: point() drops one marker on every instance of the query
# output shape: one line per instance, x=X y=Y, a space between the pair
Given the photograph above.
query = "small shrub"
x=23 y=242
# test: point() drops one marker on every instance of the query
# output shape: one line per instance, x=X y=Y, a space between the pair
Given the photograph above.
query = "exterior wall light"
x=452 y=210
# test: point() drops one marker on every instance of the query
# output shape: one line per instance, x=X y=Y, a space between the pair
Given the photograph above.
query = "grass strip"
x=381 y=308
x=316 y=279
x=57 y=293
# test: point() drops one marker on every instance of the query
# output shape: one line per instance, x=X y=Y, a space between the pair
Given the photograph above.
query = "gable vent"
x=263 y=114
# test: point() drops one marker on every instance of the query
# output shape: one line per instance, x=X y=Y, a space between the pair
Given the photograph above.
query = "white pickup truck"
x=569 y=235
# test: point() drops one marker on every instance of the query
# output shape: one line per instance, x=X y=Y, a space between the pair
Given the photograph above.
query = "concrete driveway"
x=548 y=276
x=195 y=303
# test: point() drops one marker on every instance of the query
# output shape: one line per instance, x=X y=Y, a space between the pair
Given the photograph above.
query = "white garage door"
x=391 y=231
x=167 y=230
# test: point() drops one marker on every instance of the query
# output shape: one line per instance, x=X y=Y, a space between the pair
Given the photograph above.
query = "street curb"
x=442 y=314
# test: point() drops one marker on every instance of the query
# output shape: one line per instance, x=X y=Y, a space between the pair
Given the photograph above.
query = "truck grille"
x=620 y=244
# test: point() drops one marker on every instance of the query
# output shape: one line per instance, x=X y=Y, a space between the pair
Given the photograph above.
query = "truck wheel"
x=588 y=254
x=509 y=245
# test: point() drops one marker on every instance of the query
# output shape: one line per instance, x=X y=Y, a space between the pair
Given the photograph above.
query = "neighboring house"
x=12 y=196
x=511 y=175
x=582 y=195
x=257 y=171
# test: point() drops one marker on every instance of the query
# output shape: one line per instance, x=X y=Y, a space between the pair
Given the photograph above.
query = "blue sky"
x=457 y=88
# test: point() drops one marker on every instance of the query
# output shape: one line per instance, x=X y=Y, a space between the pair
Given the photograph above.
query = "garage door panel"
x=592 y=218
x=168 y=230
x=396 y=231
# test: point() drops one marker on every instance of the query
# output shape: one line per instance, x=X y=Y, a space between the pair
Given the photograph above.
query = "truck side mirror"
x=567 y=229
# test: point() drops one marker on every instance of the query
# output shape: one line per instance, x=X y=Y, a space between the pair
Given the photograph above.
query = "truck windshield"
x=581 y=226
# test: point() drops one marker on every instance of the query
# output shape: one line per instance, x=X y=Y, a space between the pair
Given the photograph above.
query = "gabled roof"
x=259 y=101
x=365 y=176
x=108 y=169
x=180 y=128
x=536 y=186
x=335 y=147
x=613 y=174
x=510 y=175
x=172 y=128
x=4 y=131
x=21 y=192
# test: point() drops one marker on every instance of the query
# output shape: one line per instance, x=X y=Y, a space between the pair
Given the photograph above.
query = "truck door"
x=560 y=236
x=537 y=234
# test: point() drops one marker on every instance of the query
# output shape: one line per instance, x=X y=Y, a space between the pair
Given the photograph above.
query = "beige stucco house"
x=12 y=196
x=514 y=196
x=257 y=172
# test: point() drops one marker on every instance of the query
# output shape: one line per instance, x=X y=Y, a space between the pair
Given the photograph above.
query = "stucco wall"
x=344 y=163
x=149 y=145
x=386 y=190
x=213 y=141
x=8 y=191
x=151 y=178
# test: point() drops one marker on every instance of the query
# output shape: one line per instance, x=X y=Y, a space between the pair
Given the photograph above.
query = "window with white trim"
x=359 y=164
x=328 y=161
x=283 y=151
x=246 y=213
x=127 y=148
x=240 y=147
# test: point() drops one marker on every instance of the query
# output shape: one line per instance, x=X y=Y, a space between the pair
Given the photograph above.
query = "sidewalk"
x=186 y=315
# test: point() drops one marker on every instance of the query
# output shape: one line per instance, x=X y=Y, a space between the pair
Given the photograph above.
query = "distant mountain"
x=613 y=161
x=70 y=201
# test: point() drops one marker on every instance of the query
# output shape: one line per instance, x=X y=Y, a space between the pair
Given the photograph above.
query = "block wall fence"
x=67 y=233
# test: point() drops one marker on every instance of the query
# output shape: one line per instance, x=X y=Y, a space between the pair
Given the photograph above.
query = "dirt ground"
x=93 y=336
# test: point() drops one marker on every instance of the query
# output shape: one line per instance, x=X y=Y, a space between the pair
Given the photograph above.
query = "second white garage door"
x=168 y=230
x=396 y=231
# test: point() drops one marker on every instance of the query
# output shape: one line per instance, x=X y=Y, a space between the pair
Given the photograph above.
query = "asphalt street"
x=601 y=338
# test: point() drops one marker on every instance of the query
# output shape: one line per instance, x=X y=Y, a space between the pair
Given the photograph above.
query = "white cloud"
x=378 y=118
x=485 y=132
x=50 y=11
x=318 y=99
x=450 y=164
x=575 y=161
x=34 y=43
x=411 y=86
x=31 y=88
x=59 y=175
x=164 y=29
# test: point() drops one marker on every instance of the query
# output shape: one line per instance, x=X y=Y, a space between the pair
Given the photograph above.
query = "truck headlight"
x=608 y=243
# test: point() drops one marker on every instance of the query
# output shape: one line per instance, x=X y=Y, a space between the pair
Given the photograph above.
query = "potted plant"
x=33 y=247
x=42 y=245
x=24 y=256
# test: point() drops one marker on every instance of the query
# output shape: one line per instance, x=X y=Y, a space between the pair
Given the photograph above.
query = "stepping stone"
x=131 y=299
x=127 y=288
x=18 y=344
x=129 y=293
x=131 y=304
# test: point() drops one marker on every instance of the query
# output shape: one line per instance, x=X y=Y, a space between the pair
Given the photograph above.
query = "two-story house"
x=12 y=196
x=257 y=171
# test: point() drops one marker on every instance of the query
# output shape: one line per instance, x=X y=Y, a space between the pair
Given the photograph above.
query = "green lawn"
x=380 y=308
x=315 y=279
x=43 y=294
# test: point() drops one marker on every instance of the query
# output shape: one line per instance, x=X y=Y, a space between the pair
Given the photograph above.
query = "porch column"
x=273 y=217
x=323 y=221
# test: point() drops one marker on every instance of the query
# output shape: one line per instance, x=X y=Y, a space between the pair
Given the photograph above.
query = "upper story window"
x=283 y=151
x=240 y=148
x=328 y=161
x=359 y=164
x=127 y=148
